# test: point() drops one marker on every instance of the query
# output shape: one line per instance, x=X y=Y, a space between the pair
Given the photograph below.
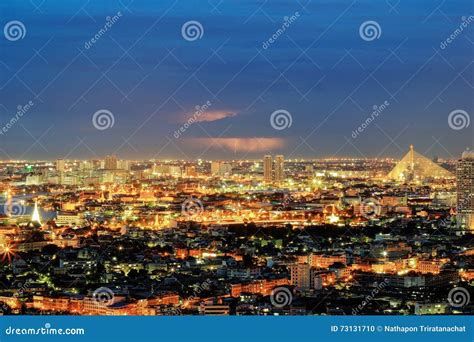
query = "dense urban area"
x=237 y=237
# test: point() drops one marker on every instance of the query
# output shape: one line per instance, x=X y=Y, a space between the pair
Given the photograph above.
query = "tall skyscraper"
x=60 y=165
x=268 y=168
x=465 y=191
x=110 y=162
x=279 y=168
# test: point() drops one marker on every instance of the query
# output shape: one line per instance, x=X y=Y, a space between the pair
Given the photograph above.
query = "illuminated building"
x=215 y=167
x=214 y=308
x=190 y=171
x=268 y=168
x=123 y=165
x=60 y=165
x=431 y=308
x=110 y=163
x=68 y=219
x=168 y=170
x=301 y=275
x=465 y=191
x=324 y=261
x=279 y=168
x=263 y=287
x=414 y=166
x=219 y=168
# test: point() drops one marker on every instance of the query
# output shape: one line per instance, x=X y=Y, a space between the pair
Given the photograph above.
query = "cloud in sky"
x=240 y=144
x=210 y=116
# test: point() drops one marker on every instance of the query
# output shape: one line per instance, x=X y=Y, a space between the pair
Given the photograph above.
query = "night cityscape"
x=296 y=237
x=223 y=158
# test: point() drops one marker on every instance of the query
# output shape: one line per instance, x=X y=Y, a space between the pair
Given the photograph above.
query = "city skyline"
x=335 y=89
x=256 y=158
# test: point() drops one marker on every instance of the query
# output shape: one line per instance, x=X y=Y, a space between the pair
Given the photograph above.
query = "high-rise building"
x=219 y=168
x=215 y=167
x=301 y=275
x=279 y=168
x=268 y=168
x=123 y=165
x=465 y=191
x=60 y=165
x=86 y=165
x=190 y=171
x=110 y=162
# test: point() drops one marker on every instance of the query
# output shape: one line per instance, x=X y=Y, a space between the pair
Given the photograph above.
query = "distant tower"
x=465 y=191
x=36 y=215
x=268 y=169
x=279 y=168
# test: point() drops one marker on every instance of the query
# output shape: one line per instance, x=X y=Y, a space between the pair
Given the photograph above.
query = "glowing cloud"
x=240 y=144
x=215 y=115
x=204 y=115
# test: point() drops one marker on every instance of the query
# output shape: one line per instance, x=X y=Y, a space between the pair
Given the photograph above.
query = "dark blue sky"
x=320 y=70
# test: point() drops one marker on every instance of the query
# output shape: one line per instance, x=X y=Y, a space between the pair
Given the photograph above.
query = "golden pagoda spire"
x=36 y=215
